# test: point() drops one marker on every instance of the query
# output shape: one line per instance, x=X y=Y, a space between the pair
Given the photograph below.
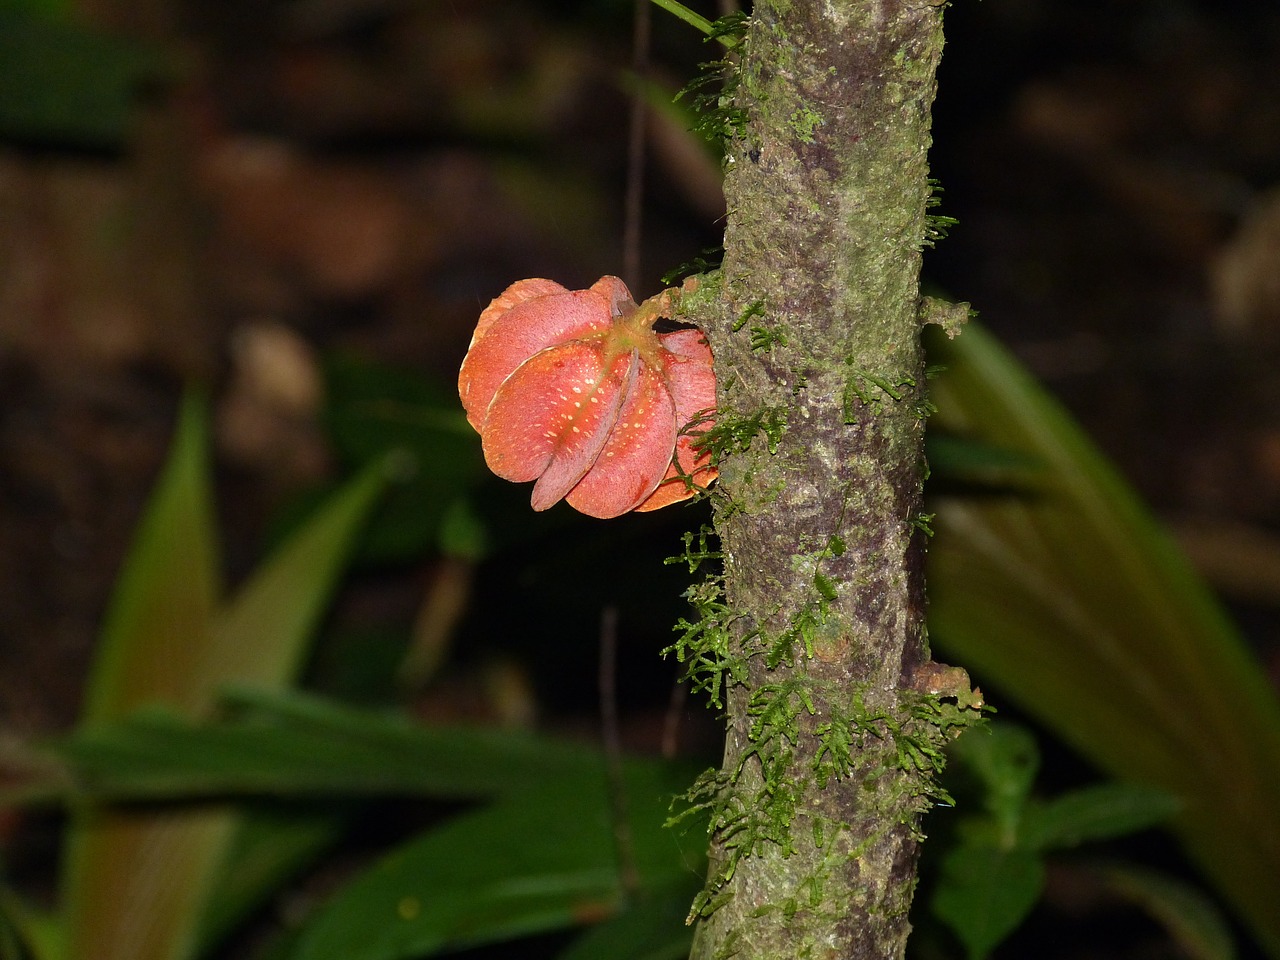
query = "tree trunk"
x=817 y=629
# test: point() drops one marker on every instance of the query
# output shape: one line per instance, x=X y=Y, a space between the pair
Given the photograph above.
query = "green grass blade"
x=132 y=883
x=694 y=20
x=154 y=633
x=259 y=638
x=1070 y=600
x=1192 y=919
x=137 y=882
x=299 y=746
x=270 y=846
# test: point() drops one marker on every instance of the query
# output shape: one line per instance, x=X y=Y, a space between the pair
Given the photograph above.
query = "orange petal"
x=518 y=292
x=513 y=337
x=615 y=292
x=637 y=454
x=691 y=379
x=551 y=418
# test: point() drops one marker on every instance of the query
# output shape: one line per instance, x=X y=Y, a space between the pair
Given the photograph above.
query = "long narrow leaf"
x=293 y=745
x=1190 y=917
x=1068 y=598
x=538 y=861
x=260 y=636
x=138 y=882
x=133 y=883
x=154 y=633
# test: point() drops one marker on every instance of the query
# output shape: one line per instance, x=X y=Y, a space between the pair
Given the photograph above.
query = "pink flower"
x=575 y=389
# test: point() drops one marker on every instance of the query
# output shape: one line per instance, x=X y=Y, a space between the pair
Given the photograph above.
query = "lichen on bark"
x=830 y=753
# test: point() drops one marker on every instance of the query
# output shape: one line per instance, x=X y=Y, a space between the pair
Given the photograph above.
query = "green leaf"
x=1095 y=813
x=961 y=459
x=1190 y=917
x=983 y=893
x=25 y=933
x=537 y=861
x=296 y=745
x=64 y=83
x=1069 y=599
x=1004 y=758
x=154 y=634
x=270 y=845
x=652 y=929
x=261 y=636
x=292 y=745
x=375 y=411
x=684 y=13
x=153 y=642
x=166 y=642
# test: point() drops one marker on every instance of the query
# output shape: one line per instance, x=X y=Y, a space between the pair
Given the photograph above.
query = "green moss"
x=763 y=338
x=866 y=389
x=712 y=91
x=804 y=121
x=733 y=434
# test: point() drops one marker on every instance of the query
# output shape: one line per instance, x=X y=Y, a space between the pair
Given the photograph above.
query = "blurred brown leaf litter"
x=360 y=176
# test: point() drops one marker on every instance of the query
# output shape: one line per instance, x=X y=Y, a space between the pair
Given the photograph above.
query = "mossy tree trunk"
x=831 y=746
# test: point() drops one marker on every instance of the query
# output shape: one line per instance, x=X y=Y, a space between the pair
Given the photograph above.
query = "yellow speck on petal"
x=408 y=908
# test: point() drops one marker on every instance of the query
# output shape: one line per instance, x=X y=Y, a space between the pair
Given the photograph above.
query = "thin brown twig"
x=633 y=214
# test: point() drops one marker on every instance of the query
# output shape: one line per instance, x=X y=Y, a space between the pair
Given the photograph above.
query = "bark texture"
x=819 y=520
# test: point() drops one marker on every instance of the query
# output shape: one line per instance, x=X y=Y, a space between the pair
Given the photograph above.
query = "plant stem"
x=820 y=801
x=688 y=16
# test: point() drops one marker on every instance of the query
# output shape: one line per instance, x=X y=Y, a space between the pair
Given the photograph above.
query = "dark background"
x=252 y=194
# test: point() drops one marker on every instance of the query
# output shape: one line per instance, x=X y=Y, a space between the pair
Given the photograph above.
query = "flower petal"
x=616 y=293
x=551 y=418
x=691 y=379
x=531 y=325
x=636 y=455
x=518 y=292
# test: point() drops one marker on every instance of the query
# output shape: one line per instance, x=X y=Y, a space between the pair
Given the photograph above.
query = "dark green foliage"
x=711 y=93
x=374 y=411
x=70 y=85
x=992 y=876
x=936 y=224
x=737 y=433
x=706 y=263
x=1057 y=586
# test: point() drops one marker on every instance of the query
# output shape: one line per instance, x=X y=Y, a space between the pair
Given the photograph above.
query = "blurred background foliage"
x=303 y=205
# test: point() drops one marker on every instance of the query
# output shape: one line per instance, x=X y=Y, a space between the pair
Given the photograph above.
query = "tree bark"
x=830 y=755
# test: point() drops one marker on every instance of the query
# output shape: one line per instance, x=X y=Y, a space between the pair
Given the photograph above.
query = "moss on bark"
x=830 y=753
